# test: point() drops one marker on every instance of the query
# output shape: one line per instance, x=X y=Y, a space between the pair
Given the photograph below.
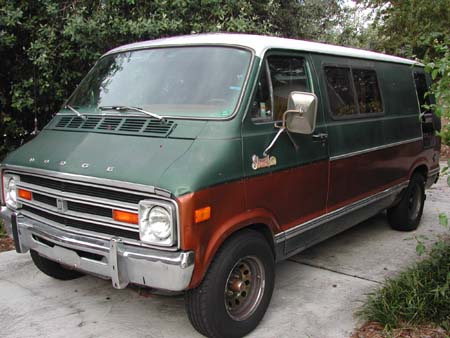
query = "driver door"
x=291 y=182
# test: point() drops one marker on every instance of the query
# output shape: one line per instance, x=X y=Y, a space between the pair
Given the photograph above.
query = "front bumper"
x=110 y=259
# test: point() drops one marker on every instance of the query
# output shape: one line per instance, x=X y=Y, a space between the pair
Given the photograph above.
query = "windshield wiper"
x=120 y=108
x=68 y=106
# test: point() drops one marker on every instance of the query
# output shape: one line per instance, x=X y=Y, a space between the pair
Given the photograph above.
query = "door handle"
x=320 y=137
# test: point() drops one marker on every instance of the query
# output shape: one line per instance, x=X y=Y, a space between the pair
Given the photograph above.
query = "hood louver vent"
x=91 y=123
x=109 y=124
x=75 y=123
x=156 y=127
x=132 y=125
x=142 y=126
x=63 y=122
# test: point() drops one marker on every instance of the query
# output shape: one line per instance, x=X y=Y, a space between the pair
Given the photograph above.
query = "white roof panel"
x=260 y=44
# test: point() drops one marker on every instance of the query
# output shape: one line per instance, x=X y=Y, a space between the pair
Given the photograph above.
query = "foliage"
x=410 y=27
x=418 y=29
x=439 y=68
x=2 y=231
x=352 y=29
x=46 y=46
x=419 y=295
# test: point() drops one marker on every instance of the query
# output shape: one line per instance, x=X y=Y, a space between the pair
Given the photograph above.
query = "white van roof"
x=260 y=44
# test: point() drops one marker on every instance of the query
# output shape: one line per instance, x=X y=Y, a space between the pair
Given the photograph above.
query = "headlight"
x=156 y=224
x=10 y=190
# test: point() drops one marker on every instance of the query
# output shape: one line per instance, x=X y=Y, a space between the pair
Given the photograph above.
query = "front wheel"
x=406 y=215
x=53 y=269
x=236 y=291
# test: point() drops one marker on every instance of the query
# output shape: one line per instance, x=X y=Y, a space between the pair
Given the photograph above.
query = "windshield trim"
x=230 y=117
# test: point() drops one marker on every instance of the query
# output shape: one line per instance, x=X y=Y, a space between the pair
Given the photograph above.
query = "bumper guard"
x=110 y=259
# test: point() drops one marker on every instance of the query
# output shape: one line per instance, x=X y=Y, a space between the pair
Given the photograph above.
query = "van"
x=195 y=163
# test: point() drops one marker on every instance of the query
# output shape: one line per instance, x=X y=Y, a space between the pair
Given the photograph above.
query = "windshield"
x=201 y=82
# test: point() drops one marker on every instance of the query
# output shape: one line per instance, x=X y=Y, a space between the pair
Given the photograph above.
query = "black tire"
x=206 y=306
x=53 y=269
x=406 y=215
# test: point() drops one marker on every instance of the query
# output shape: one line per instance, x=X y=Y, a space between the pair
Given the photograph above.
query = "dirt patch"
x=375 y=330
x=6 y=244
x=445 y=152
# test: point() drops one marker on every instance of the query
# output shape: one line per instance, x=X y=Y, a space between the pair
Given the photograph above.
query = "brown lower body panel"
x=284 y=199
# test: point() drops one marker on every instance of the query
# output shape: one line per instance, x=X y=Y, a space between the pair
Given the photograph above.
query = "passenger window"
x=340 y=92
x=367 y=91
x=281 y=76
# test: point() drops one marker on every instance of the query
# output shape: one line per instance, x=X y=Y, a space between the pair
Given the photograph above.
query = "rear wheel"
x=236 y=291
x=53 y=269
x=406 y=215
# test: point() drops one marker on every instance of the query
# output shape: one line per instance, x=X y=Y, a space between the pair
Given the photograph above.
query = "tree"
x=46 y=46
x=410 y=27
x=419 y=29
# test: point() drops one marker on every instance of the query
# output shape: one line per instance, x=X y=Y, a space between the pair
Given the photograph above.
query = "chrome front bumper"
x=110 y=259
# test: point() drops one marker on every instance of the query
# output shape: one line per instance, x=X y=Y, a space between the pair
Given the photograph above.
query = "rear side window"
x=340 y=92
x=352 y=92
x=367 y=91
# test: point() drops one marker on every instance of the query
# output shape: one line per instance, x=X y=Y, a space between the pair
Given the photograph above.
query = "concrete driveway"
x=316 y=292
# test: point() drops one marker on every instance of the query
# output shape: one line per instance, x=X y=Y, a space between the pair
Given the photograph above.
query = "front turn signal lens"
x=202 y=214
x=25 y=194
x=125 y=217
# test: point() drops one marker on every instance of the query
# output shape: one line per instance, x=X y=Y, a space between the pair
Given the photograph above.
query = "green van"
x=195 y=163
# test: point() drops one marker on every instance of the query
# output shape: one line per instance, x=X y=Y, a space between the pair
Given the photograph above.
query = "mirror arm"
x=270 y=146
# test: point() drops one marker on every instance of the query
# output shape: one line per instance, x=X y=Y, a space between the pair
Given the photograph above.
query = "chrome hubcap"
x=244 y=288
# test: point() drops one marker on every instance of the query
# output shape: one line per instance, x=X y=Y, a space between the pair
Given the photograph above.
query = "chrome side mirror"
x=301 y=114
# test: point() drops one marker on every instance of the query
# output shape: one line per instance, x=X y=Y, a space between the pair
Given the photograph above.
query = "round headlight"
x=11 y=193
x=160 y=223
x=155 y=225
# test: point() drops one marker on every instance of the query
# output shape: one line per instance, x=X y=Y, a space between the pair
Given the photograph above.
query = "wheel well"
x=422 y=170
x=265 y=231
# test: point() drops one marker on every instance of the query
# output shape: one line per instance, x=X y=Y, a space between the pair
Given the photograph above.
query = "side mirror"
x=301 y=114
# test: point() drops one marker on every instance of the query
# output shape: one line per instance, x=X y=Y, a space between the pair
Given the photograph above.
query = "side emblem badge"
x=265 y=162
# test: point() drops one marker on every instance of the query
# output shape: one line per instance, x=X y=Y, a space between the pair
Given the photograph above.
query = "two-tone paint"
x=314 y=191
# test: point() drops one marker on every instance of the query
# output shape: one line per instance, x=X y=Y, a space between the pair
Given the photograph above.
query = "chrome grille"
x=80 y=206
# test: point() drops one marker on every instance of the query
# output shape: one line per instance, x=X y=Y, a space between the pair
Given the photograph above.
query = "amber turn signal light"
x=202 y=214
x=25 y=194
x=125 y=217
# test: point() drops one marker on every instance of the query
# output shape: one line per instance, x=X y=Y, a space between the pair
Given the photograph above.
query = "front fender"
x=228 y=215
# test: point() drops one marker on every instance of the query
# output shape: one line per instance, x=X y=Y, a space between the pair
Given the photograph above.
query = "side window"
x=281 y=75
x=340 y=92
x=367 y=91
x=421 y=88
x=352 y=92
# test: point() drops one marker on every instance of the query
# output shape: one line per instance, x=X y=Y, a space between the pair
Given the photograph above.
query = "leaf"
x=443 y=219
x=420 y=248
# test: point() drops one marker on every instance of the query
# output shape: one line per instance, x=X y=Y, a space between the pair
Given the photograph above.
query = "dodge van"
x=195 y=163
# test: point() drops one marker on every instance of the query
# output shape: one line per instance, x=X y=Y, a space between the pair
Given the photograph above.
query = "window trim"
x=358 y=115
x=264 y=63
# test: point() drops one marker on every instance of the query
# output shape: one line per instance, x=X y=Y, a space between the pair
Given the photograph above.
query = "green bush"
x=420 y=295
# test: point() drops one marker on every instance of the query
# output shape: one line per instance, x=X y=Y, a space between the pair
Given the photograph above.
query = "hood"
x=129 y=158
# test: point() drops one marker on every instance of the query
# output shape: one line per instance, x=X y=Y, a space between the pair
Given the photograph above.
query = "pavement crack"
x=335 y=271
